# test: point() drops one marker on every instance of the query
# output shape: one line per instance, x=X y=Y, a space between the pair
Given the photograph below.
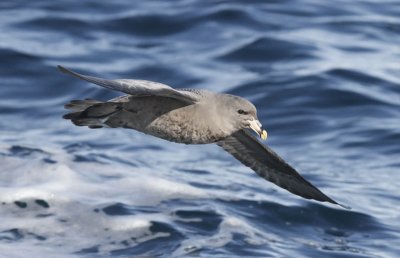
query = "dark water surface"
x=323 y=74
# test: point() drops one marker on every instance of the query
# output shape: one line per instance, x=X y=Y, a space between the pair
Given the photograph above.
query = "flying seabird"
x=191 y=116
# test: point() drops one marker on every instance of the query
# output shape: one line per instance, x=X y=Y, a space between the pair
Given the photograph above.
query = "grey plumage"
x=267 y=164
x=191 y=117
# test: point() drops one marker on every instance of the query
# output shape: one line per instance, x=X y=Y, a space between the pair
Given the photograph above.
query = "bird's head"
x=242 y=114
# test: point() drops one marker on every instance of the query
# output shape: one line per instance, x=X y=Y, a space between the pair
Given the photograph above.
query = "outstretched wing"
x=267 y=164
x=137 y=87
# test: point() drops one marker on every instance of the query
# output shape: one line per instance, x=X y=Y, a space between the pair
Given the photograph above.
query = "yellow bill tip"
x=264 y=135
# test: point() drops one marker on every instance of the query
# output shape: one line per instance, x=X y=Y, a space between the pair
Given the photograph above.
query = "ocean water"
x=324 y=75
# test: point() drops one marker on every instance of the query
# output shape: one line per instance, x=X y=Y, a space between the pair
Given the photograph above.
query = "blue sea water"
x=324 y=75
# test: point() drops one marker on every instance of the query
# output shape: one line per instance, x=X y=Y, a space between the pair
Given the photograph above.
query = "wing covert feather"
x=137 y=87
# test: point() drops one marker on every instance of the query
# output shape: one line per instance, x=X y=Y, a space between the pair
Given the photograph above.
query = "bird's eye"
x=242 y=112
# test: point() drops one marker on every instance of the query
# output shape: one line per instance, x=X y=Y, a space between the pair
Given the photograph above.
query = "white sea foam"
x=76 y=193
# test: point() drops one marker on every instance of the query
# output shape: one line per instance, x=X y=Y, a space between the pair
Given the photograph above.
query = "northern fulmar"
x=190 y=116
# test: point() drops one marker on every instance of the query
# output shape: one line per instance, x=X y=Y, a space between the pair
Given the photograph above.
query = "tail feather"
x=80 y=105
x=91 y=113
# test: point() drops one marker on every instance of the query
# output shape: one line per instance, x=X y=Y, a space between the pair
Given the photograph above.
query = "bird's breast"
x=189 y=125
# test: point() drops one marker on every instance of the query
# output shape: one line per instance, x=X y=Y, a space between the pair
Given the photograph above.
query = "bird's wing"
x=138 y=87
x=267 y=164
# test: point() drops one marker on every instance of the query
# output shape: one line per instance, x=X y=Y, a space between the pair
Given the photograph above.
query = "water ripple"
x=323 y=75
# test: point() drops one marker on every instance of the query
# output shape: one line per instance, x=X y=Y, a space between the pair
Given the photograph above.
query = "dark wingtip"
x=62 y=69
x=344 y=206
x=330 y=200
x=68 y=71
x=339 y=204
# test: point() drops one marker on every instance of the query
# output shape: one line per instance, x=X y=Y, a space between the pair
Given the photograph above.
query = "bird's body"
x=153 y=115
x=190 y=117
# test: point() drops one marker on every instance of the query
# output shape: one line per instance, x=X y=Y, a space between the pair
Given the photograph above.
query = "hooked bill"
x=264 y=135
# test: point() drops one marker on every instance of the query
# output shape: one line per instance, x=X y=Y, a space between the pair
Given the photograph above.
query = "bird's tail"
x=90 y=112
